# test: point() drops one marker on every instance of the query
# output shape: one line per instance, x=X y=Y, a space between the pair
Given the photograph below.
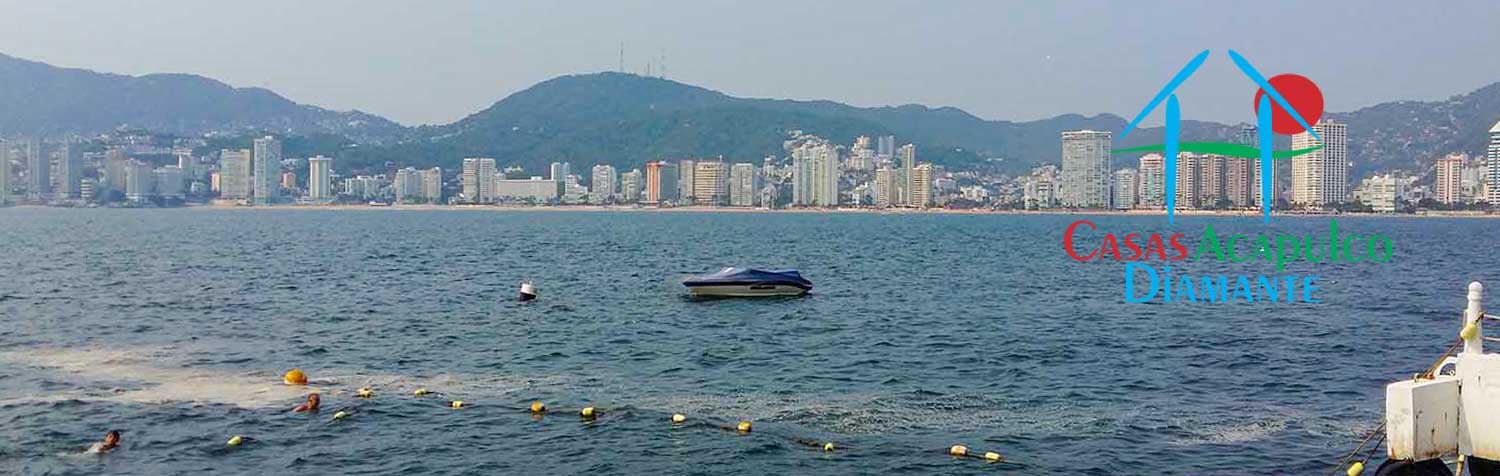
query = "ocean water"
x=923 y=331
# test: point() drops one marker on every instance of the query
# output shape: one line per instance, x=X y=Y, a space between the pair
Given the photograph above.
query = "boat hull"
x=746 y=290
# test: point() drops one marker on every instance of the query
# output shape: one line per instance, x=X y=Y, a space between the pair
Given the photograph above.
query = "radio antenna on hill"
x=622 y=57
x=664 y=63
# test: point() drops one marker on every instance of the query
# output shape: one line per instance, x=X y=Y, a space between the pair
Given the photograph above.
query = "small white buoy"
x=528 y=292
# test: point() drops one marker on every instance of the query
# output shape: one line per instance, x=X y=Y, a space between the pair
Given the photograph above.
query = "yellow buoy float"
x=1470 y=330
x=958 y=450
x=365 y=392
x=678 y=418
x=419 y=392
x=1356 y=468
x=587 y=412
x=341 y=415
x=456 y=404
x=236 y=440
x=538 y=407
x=743 y=427
x=828 y=447
x=294 y=377
x=992 y=456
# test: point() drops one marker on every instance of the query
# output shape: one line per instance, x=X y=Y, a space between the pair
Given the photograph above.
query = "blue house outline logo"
x=1262 y=120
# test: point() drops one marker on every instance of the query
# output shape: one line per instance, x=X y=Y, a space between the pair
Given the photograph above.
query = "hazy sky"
x=437 y=61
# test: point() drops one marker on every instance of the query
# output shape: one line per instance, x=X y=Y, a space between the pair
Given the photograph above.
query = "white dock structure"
x=1455 y=407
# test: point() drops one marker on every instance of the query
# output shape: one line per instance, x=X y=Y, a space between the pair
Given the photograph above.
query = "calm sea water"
x=923 y=331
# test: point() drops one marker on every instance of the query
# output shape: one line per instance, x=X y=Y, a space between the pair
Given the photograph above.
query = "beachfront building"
x=1085 y=169
x=267 y=170
x=319 y=178
x=887 y=187
x=908 y=155
x=69 y=170
x=1448 y=186
x=1321 y=177
x=743 y=183
x=234 y=174
x=532 y=190
x=921 y=186
x=815 y=174
x=1381 y=192
x=661 y=183
x=1150 y=176
x=476 y=180
x=602 y=181
x=432 y=185
x=630 y=186
x=711 y=183
x=1124 y=191
x=1492 y=166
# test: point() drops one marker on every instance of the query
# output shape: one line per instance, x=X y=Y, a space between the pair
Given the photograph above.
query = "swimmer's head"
x=112 y=438
x=312 y=399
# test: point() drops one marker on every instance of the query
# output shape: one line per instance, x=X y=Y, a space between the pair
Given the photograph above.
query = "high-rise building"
x=169 y=181
x=711 y=182
x=6 y=152
x=603 y=182
x=319 y=178
x=1238 y=181
x=115 y=161
x=743 y=182
x=885 y=147
x=815 y=175
x=1321 y=177
x=1449 y=185
x=630 y=186
x=661 y=183
x=267 y=170
x=560 y=171
x=908 y=155
x=38 y=172
x=686 y=180
x=1085 y=171
x=69 y=170
x=1124 y=192
x=234 y=174
x=1492 y=166
x=1151 y=178
x=1212 y=185
x=887 y=187
x=1189 y=178
x=534 y=190
x=921 y=186
x=477 y=180
x=407 y=185
x=139 y=180
x=432 y=185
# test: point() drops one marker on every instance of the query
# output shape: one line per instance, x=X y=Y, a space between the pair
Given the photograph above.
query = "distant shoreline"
x=892 y=211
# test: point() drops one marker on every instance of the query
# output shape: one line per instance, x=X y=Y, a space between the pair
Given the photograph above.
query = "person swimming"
x=310 y=406
x=111 y=440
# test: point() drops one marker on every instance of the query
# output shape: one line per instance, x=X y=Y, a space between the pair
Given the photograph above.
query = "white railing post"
x=1474 y=344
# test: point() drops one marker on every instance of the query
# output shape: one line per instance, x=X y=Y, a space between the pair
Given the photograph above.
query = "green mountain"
x=40 y=99
x=626 y=120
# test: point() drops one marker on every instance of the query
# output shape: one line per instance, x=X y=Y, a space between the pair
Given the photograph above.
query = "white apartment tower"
x=1321 y=177
x=267 y=170
x=742 y=185
x=1125 y=184
x=603 y=182
x=1449 y=184
x=234 y=174
x=1492 y=166
x=1085 y=173
x=319 y=181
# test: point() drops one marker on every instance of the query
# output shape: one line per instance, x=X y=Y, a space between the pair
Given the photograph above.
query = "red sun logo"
x=1302 y=94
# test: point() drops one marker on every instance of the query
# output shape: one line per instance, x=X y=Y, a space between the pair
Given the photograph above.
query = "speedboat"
x=747 y=282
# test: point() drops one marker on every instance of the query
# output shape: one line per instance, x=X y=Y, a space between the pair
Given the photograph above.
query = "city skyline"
x=481 y=61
